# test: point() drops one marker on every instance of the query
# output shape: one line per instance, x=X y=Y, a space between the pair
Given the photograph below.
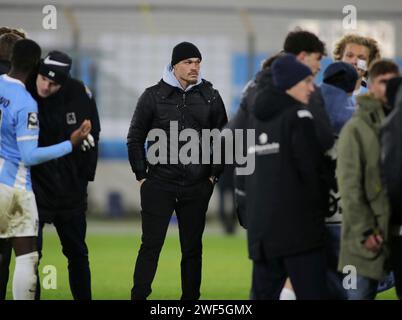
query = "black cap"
x=56 y=66
x=184 y=50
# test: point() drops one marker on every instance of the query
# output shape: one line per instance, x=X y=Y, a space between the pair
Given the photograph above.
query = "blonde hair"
x=368 y=42
x=19 y=32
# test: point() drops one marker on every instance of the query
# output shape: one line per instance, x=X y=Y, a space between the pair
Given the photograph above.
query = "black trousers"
x=396 y=263
x=72 y=232
x=306 y=270
x=5 y=258
x=158 y=203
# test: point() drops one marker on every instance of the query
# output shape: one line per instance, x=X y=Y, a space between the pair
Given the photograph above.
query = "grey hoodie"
x=170 y=78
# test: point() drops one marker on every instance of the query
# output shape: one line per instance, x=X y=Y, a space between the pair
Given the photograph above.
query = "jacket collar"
x=167 y=86
x=13 y=80
x=170 y=78
x=370 y=110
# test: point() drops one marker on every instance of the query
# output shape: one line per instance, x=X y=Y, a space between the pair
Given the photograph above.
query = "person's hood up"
x=341 y=75
x=270 y=102
x=338 y=104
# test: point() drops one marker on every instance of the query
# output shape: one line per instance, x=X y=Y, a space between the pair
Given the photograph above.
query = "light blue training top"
x=19 y=133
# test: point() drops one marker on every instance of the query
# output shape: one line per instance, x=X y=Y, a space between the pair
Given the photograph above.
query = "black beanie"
x=184 y=50
x=341 y=75
x=392 y=90
x=56 y=66
x=287 y=71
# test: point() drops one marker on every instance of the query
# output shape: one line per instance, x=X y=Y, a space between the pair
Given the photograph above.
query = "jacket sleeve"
x=239 y=120
x=219 y=120
x=93 y=152
x=80 y=99
x=306 y=153
x=139 y=127
x=27 y=134
x=321 y=121
x=357 y=214
x=343 y=113
x=32 y=155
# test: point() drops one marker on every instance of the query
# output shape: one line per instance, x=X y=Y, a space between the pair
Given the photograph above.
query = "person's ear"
x=301 y=56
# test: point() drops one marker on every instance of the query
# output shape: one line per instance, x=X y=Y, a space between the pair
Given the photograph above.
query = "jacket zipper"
x=182 y=119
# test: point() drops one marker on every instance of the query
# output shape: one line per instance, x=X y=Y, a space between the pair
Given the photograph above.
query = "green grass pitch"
x=226 y=268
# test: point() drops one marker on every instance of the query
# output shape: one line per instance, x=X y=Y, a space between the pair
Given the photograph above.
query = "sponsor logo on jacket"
x=71 y=118
x=264 y=147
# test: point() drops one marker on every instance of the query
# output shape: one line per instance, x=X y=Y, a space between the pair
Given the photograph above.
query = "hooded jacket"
x=283 y=196
x=258 y=87
x=198 y=107
x=316 y=106
x=241 y=121
x=364 y=200
x=391 y=158
x=339 y=106
x=60 y=185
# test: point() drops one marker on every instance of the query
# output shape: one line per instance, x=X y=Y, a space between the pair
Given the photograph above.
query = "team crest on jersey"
x=70 y=117
x=33 y=120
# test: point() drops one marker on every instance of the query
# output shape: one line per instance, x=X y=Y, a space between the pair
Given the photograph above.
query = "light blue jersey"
x=19 y=133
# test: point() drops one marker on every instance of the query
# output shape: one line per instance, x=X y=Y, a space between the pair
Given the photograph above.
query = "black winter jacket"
x=241 y=121
x=316 y=106
x=60 y=185
x=391 y=159
x=262 y=84
x=283 y=197
x=160 y=105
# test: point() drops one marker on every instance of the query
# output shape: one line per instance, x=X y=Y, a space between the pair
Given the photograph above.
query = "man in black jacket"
x=60 y=186
x=240 y=121
x=184 y=101
x=309 y=50
x=391 y=163
x=285 y=224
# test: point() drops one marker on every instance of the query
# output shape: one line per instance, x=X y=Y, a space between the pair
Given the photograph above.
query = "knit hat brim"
x=56 y=66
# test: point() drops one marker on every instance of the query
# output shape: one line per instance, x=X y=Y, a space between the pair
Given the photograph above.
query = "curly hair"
x=370 y=43
x=19 y=32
